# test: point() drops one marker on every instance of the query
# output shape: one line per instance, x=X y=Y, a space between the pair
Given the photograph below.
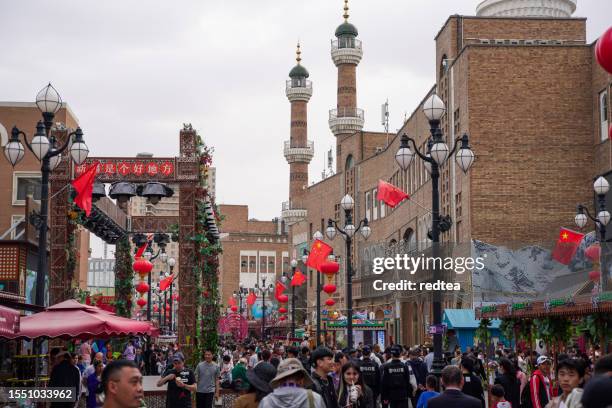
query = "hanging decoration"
x=330 y=302
x=141 y=302
x=282 y=309
x=251 y=298
x=603 y=50
x=234 y=308
x=329 y=288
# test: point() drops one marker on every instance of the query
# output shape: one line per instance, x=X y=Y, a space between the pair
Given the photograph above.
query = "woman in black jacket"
x=353 y=392
x=508 y=379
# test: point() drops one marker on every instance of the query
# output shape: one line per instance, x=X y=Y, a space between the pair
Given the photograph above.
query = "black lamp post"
x=171 y=264
x=601 y=188
x=263 y=290
x=348 y=232
x=436 y=155
x=161 y=240
x=44 y=146
x=285 y=279
x=238 y=294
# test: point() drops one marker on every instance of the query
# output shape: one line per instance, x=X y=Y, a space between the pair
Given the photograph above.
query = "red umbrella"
x=71 y=319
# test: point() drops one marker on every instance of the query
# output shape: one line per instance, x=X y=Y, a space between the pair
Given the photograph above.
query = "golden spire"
x=346 y=9
x=298 y=53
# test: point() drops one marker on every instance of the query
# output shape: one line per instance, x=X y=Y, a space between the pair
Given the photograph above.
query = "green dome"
x=298 y=72
x=346 y=28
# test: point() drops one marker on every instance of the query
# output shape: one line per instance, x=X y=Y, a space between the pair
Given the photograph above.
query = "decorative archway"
x=197 y=232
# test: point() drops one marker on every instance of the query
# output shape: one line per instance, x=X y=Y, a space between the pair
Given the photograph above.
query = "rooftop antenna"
x=384 y=118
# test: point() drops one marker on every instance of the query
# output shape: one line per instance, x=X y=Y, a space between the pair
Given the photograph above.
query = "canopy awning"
x=71 y=319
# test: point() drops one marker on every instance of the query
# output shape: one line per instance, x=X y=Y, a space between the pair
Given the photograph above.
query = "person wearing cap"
x=370 y=372
x=540 y=386
x=289 y=387
x=259 y=380
x=395 y=381
x=181 y=383
x=367 y=351
x=323 y=365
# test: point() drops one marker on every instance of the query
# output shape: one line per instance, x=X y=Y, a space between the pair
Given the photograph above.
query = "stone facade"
x=527 y=91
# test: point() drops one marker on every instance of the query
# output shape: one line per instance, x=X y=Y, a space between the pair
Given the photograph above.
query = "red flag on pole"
x=231 y=301
x=144 y=247
x=83 y=185
x=298 y=279
x=318 y=254
x=251 y=298
x=390 y=194
x=280 y=288
x=165 y=283
x=566 y=246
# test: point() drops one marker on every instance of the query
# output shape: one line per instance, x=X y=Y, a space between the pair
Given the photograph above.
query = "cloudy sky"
x=135 y=71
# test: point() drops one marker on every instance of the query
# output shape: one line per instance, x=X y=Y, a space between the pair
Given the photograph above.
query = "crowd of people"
x=276 y=375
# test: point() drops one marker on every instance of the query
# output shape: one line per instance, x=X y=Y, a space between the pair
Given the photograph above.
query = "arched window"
x=443 y=65
x=349 y=162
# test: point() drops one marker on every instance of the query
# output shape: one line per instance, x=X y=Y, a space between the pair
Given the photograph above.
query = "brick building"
x=252 y=250
x=524 y=84
x=16 y=184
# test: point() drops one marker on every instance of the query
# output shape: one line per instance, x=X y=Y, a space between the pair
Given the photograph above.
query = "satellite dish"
x=3 y=136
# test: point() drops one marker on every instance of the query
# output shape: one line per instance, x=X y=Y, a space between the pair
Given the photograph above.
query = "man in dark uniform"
x=181 y=383
x=370 y=372
x=395 y=386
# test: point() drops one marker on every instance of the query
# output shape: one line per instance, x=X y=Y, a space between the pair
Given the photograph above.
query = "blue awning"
x=464 y=319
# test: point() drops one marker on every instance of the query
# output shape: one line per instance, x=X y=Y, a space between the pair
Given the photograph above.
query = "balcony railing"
x=292 y=215
x=298 y=83
x=346 y=43
x=302 y=154
x=346 y=113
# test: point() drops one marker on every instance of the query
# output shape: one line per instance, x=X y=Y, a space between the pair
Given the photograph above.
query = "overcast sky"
x=135 y=71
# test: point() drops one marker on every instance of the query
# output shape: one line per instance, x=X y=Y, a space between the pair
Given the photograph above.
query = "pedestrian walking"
x=181 y=383
x=323 y=364
x=370 y=372
x=419 y=368
x=432 y=389
x=259 y=380
x=540 y=386
x=472 y=384
x=122 y=385
x=93 y=383
x=66 y=374
x=354 y=393
x=395 y=388
x=452 y=380
x=570 y=373
x=289 y=388
x=509 y=381
x=207 y=378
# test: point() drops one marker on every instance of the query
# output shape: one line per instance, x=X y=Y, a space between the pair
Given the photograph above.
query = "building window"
x=18 y=231
x=603 y=114
x=375 y=206
x=244 y=264
x=263 y=264
x=285 y=264
x=271 y=264
x=252 y=264
x=368 y=205
x=24 y=184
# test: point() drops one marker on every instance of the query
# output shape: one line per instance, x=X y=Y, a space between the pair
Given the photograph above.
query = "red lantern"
x=330 y=268
x=330 y=302
x=593 y=252
x=156 y=308
x=282 y=318
x=142 y=287
x=168 y=308
x=283 y=298
x=141 y=302
x=603 y=50
x=329 y=288
x=234 y=308
x=142 y=267
x=594 y=276
x=282 y=310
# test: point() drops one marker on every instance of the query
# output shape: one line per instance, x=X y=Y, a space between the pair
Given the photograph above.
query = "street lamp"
x=238 y=294
x=294 y=264
x=45 y=147
x=348 y=232
x=601 y=188
x=171 y=263
x=263 y=289
x=436 y=155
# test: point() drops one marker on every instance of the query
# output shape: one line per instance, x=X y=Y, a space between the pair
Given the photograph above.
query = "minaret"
x=298 y=149
x=346 y=52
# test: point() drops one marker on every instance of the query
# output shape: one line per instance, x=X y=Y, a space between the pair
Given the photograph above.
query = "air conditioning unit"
x=529 y=42
x=498 y=42
x=485 y=41
x=514 y=42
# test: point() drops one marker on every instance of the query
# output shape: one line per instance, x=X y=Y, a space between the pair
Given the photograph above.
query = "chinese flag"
x=83 y=185
x=251 y=299
x=165 y=283
x=318 y=254
x=280 y=288
x=566 y=246
x=144 y=247
x=390 y=194
x=231 y=301
x=298 y=279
